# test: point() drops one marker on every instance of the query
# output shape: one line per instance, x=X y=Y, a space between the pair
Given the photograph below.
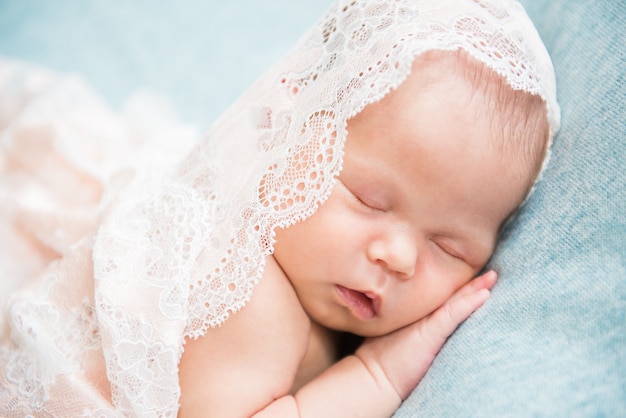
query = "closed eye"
x=361 y=199
x=447 y=249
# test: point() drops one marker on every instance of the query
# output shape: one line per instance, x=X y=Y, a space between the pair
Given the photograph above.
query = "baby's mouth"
x=361 y=304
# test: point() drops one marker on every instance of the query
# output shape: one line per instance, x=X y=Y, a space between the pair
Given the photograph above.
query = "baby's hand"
x=384 y=370
x=404 y=356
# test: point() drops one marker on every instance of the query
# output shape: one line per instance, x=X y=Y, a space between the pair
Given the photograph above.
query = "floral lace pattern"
x=29 y=371
x=180 y=246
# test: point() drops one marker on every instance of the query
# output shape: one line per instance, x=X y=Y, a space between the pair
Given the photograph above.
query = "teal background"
x=201 y=54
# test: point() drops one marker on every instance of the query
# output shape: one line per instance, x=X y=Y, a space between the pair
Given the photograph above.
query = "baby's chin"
x=369 y=329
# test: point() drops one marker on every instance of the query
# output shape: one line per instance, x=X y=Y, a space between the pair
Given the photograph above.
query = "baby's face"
x=414 y=215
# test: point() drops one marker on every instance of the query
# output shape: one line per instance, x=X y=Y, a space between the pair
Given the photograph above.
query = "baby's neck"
x=326 y=347
x=322 y=352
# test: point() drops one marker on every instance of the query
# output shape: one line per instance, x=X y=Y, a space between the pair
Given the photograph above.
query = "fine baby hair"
x=181 y=248
x=519 y=119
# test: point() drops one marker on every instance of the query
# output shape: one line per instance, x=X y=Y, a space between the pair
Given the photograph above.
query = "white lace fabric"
x=166 y=243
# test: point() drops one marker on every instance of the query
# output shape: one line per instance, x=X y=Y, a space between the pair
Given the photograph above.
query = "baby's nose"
x=397 y=251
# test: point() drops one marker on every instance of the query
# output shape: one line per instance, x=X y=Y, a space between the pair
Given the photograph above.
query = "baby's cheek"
x=443 y=278
x=435 y=265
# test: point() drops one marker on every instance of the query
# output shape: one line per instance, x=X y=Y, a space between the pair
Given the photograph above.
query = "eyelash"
x=363 y=202
x=448 y=252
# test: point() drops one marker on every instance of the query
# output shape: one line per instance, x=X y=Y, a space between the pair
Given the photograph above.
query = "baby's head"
x=431 y=173
x=378 y=197
x=517 y=120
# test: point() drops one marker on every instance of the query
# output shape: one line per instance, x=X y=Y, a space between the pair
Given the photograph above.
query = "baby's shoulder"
x=258 y=350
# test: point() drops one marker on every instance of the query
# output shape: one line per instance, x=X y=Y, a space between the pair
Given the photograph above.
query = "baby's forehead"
x=512 y=121
x=515 y=114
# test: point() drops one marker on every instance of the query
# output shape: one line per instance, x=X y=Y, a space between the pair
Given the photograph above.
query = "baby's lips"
x=361 y=304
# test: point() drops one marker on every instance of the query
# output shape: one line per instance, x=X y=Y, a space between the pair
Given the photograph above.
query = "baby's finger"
x=443 y=321
x=484 y=281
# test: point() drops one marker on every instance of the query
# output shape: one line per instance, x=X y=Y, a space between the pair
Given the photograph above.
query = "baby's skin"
x=394 y=255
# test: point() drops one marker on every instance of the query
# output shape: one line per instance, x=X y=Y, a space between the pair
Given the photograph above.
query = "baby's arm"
x=384 y=370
